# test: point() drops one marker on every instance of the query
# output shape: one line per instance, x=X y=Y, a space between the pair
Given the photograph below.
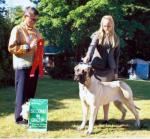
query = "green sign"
x=38 y=113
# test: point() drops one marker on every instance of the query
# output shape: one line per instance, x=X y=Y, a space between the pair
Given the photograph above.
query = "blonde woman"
x=103 y=52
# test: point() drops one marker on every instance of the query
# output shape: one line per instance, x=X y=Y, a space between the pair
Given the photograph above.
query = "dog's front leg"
x=93 y=113
x=84 y=113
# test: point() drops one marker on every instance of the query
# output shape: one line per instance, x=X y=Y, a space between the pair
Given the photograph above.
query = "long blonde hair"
x=113 y=38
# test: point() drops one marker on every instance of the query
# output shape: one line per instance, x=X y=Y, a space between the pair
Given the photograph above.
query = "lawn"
x=65 y=112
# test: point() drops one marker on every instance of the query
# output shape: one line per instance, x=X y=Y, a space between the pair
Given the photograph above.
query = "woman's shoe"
x=105 y=122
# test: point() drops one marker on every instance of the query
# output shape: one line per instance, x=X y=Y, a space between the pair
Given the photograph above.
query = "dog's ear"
x=75 y=68
x=90 y=71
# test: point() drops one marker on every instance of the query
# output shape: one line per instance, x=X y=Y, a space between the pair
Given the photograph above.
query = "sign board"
x=38 y=114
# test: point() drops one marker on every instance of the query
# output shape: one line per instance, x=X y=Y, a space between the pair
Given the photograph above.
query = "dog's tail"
x=126 y=90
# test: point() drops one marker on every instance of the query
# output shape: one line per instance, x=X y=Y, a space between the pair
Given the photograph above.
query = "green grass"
x=65 y=112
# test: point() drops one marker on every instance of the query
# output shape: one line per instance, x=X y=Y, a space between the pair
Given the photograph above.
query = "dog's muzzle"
x=80 y=78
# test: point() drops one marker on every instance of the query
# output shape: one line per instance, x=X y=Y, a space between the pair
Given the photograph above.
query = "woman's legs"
x=110 y=77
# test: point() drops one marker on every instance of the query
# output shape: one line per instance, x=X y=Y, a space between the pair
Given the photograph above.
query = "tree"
x=6 y=71
x=53 y=19
x=16 y=14
x=2 y=9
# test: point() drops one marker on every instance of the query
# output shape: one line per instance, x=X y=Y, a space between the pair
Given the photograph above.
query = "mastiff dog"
x=94 y=93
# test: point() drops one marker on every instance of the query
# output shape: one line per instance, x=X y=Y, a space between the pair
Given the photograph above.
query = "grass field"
x=65 y=112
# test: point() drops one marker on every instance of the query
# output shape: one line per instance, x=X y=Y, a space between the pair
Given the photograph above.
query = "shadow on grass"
x=127 y=125
x=7 y=100
x=62 y=125
x=47 y=88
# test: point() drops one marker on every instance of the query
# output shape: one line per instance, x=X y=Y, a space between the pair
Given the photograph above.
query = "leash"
x=96 y=76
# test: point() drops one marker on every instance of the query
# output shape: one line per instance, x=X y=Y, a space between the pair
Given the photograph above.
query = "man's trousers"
x=25 y=87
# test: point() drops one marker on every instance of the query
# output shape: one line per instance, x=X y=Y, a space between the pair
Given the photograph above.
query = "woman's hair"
x=30 y=11
x=113 y=38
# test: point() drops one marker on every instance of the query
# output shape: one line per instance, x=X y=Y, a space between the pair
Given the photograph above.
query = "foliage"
x=67 y=19
x=136 y=32
x=2 y=8
x=63 y=68
x=6 y=71
x=77 y=21
x=16 y=14
x=53 y=22
x=54 y=27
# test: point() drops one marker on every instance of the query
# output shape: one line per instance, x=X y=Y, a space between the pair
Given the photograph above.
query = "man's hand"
x=33 y=44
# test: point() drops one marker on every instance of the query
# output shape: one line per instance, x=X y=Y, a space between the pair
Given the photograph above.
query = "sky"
x=23 y=3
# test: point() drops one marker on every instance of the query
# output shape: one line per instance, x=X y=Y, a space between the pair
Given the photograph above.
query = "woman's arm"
x=116 y=55
x=91 y=48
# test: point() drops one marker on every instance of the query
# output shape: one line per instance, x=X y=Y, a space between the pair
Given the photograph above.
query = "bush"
x=6 y=71
x=63 y=68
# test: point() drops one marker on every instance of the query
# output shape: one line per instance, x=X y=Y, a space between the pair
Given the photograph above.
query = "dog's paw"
x=88 y=132
x=80 y=128
x=137 y=124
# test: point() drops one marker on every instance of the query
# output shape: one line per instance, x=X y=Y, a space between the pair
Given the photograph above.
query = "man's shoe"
x=22 y=122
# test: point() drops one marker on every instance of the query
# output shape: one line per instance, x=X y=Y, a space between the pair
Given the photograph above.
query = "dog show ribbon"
x=38 y=59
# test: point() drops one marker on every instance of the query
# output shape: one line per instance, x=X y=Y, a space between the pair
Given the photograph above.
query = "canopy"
x=52 y=50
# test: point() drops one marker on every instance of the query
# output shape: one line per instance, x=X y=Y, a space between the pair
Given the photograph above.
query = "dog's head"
x=82 y=73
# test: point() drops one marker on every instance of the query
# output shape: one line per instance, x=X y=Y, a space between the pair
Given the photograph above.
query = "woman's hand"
x=116 y=76
x=85 y=59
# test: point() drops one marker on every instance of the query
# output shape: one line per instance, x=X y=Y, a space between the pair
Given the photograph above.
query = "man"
x=22 y=44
